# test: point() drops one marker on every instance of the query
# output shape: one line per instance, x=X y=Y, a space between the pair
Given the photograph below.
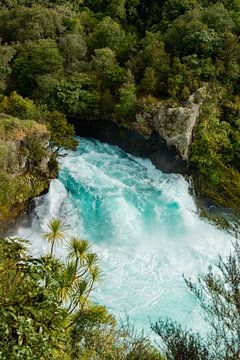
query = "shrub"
x=20 y=107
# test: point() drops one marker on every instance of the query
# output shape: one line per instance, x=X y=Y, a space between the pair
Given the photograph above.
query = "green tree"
x=184 y=25
x=103 y=59
x=75 y=96
x=156 y=62
x=127 y=105
x=6 y=54
x=98 y=336
x=149 y=81
x=104 y=64
x=180 y=80
x=62 y=133
x=180 y=343
x=218 y=18
x=203 y=43
x=55 y=233
x=31 y=316
x=117 y=9
x=34 y=59
x=30 y=23
x=18 y=106
x=108 y=33
x=174 y=8
x=113 y=76
x=74 y=49
x=213 y=153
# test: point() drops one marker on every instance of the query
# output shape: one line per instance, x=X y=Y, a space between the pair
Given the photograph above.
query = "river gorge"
x=143 y=224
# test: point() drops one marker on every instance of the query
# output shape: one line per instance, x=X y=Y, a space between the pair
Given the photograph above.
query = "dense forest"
x=64 y=62
x=101 y=60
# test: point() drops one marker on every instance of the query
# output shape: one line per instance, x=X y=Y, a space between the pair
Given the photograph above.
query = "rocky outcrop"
x=26 y=166
x=174 y=124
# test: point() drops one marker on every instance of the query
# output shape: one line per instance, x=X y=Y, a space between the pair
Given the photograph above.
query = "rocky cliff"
x=26 y=166
x=161 y=132
x=174 y=124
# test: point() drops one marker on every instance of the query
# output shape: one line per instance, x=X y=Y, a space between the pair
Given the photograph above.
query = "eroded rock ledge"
x=173 y=124
x=162 y=133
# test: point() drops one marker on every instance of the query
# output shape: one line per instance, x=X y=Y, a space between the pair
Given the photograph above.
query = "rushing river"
x=141 y=222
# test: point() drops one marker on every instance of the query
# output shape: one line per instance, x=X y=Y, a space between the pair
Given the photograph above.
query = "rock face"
x=26 y=166
x=173 y=124
x=162 y=133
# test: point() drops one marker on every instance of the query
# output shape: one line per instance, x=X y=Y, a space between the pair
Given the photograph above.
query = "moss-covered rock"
x=26 y=165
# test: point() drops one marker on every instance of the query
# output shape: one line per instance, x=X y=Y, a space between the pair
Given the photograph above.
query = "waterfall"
x=144 y=226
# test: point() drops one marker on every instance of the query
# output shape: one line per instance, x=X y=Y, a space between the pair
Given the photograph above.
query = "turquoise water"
x=142 y=223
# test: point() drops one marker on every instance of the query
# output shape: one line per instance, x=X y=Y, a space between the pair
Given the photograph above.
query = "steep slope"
x=26 y=165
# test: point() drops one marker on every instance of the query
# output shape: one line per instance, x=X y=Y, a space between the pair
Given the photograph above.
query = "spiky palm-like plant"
x=67 y=281
x=78 y=250
x=57 y=233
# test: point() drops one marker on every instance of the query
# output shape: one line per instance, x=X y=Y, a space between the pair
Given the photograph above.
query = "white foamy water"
x=141 y=222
